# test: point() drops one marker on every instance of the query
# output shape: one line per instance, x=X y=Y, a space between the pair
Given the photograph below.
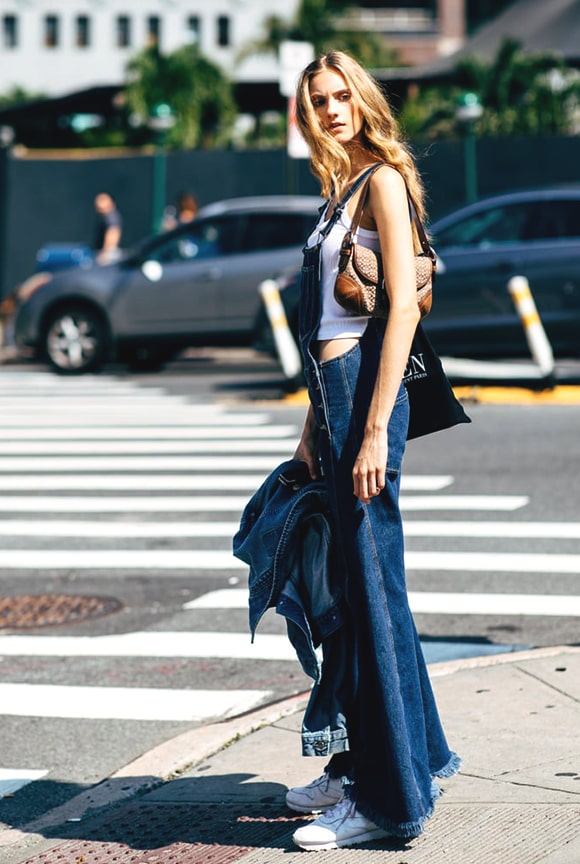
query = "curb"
x=562 y=394
x=152 y=769
x=177 y=755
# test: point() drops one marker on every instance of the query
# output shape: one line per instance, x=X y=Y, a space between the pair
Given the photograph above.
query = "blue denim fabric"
x=284 y=537
x=395 y=740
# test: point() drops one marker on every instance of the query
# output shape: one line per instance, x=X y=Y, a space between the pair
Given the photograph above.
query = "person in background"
x=386 y=743
x=109 y=229
x=184 y=210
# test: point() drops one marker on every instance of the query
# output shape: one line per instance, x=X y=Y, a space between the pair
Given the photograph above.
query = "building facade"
x=55 y=46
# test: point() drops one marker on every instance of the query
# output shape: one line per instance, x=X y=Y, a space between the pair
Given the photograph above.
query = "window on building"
x=154 y=29
x=223 y=31
x=83 y=31
x=51 y=31
x=10 y=31
x=193 y=26
x=123 y=31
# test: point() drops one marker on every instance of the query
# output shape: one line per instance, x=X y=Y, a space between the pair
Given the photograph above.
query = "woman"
x=185 y=210
x=380 y=781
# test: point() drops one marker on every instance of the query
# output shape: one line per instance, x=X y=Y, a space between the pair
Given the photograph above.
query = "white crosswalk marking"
x=13 y=779
x=125 y=703
x=92 y=471
x=431 y=603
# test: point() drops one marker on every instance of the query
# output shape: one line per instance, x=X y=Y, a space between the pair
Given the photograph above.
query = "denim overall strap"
x=310 y=300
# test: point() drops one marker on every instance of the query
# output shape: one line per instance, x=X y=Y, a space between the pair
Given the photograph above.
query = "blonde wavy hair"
x=380 y=134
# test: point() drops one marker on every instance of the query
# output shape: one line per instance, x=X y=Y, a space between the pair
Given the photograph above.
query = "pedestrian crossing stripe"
x=177 y=482
x=151 y=432
x=188 y=529
x=210 y=559
x=138 y=448
x=432 y=603
x=119 y=417
x=13 y=779
x=232 y=504
x=126 y=703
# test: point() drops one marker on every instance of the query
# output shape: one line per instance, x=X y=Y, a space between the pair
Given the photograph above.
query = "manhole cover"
x=50 y=610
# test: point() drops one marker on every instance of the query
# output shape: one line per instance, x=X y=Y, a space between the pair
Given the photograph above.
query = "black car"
x=195 y=285
x=532 y=233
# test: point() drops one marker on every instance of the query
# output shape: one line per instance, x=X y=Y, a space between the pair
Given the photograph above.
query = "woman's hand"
x=369 y=469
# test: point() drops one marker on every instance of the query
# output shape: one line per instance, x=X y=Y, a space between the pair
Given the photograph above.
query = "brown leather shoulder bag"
x=360 y=284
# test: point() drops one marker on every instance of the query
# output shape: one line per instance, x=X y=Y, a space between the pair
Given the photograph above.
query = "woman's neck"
x=360 y=158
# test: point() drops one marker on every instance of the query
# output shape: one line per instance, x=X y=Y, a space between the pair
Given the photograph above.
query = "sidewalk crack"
x=549 y=684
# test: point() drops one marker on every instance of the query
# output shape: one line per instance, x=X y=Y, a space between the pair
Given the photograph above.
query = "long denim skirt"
x=396 y=742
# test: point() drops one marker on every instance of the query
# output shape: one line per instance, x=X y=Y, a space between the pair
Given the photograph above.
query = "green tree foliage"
x=323 y=23
x=521 y=94
x=196 y=89
x=18 y=96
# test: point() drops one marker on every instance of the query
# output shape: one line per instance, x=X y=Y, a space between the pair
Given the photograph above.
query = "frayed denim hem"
x=452 y=767
x=406 y=830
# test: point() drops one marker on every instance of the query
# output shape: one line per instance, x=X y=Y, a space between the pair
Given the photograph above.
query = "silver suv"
x=195 y=285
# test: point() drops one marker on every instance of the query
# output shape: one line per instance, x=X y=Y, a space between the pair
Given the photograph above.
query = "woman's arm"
x=308 y=445
x=389 y=210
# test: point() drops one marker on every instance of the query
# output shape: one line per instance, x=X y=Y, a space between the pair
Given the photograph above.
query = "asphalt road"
x=129 y=487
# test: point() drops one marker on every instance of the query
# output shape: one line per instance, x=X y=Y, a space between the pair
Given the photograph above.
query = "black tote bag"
x=432 y=403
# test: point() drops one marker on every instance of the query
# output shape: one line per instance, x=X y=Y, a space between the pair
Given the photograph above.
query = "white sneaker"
x=343 y=825
x=319 y=796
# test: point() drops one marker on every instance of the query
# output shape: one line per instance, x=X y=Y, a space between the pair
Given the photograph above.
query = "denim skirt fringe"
x=396 y=744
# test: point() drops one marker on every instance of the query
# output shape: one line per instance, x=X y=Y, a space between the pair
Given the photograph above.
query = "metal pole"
x=159 y=185
x=470 y=164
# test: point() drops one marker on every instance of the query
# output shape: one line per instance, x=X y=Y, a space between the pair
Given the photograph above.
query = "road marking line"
x=14 y=464
x=230 y=504
x=118 y=559
x=125 y=703
x=78 y=528
x=204 y=559
x=139 y=401
x=463 y=502
x=129 y=482
x=13 y=779
x=149 y=432
x=93 y=448
x=431 y=603
x=97 y=504
x=185 y=416
x=496 y=530
x=494 y=604
x=493 y=562
x=152 y=643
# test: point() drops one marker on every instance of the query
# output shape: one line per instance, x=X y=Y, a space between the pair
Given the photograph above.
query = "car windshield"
x=504 y=224
x=521 y=222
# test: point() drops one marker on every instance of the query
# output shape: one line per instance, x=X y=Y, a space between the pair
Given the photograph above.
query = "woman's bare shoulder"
x=387 y=179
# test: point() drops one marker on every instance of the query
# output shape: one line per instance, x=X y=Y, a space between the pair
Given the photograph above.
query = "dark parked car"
x=532 y=233
x=195 y=285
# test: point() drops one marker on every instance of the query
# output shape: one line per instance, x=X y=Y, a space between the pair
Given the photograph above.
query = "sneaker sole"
x=299 y=809
x=378 y=834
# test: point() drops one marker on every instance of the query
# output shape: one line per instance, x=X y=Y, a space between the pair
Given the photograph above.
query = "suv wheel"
x=75 y=340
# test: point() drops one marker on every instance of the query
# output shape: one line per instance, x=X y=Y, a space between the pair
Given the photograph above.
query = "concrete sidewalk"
x=514 y=718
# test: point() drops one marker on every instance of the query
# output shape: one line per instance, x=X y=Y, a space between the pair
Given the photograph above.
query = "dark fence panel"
x=51 y=200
